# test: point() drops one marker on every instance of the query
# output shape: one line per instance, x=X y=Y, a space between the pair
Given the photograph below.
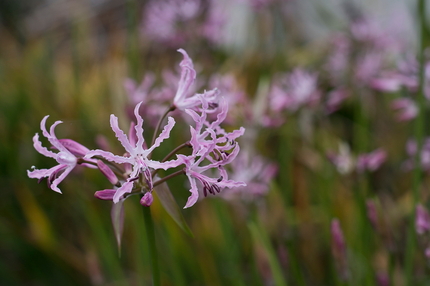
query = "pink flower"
x=255 y=172
x=297 y=89
x=213 y=148
x=182 y=100
x=422 y=220
x=163 y=20
x=194 y=171
x=137 y=155
x=343 y=160
x=155 y=99
x=371 y=161
x=65 y=158
x=407 y=108
x=338 y=248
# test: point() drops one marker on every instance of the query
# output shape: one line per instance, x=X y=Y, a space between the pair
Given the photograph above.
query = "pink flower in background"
x=253 y=170
x=338 y=249
x=368 y=66
x=422 y=220
x=406 y=107
x=422 y=226
x=411 y=150
x=65 y=158
x=343 y=159
x=137 y=154
x=155 y=101
x=294 y=90
x=335 y=98
x=371 y=161
x=168 y=21
x=238 y=102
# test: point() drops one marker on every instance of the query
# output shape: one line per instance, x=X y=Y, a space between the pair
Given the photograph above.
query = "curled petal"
x=139 y=129
x=163 y=135
x=188 y=75
x=192 y=199
x=109 y=156
x=120 y=134
x=126 y=188
x=165 y=165
x=60 y=179
x=42 y=150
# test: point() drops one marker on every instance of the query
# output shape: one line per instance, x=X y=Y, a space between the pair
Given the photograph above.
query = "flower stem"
x=150 y=234
x=419 y=137
x=173 y=152
x=162 y=180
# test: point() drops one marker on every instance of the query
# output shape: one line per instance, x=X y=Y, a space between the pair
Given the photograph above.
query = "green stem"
x=173 y=152
x=150 y=232
x=162 y=180
x=419 y=137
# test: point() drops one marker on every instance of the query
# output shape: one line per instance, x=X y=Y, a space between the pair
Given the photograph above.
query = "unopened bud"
x=109 y=174
x=147 y=199
x=106 y=195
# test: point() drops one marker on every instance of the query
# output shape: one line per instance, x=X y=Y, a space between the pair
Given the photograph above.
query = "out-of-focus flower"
x=343 y=160
x=168 y=21
x=371 y=161
x=255 y=172
x=238 y=103
x=155 y=100
x=422 y=226
x=137 y=154
x=372 y=214
x=382 y=278
x=338 y=248
x=335 y=99
x=295 y=90
x=422 y=220
x=368 y=66
x=407 y=108
x=424 y=156
x=66 y=157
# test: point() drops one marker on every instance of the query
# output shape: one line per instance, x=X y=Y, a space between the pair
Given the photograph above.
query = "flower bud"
x=147 y=199
x=107 y=172
x=106 y=195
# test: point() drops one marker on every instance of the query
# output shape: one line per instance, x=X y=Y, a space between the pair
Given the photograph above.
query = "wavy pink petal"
x=120 y=135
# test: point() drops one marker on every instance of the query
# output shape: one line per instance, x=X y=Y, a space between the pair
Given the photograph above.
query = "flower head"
x=137 y=154
x=213 y=148
x=182 y=99
x=65 y=158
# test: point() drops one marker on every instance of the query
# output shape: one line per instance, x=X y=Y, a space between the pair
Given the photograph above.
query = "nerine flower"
x=137 y=155
x=65 y=157
x=294 y=91
x=182 y=100
x=255 y=171
x=194 y=172
x=213 y=146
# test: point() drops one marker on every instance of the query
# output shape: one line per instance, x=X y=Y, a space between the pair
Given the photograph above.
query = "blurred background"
x=317 y=82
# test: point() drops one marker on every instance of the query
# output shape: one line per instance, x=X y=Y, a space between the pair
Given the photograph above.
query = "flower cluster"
x=135 y=172
x=345 y=163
